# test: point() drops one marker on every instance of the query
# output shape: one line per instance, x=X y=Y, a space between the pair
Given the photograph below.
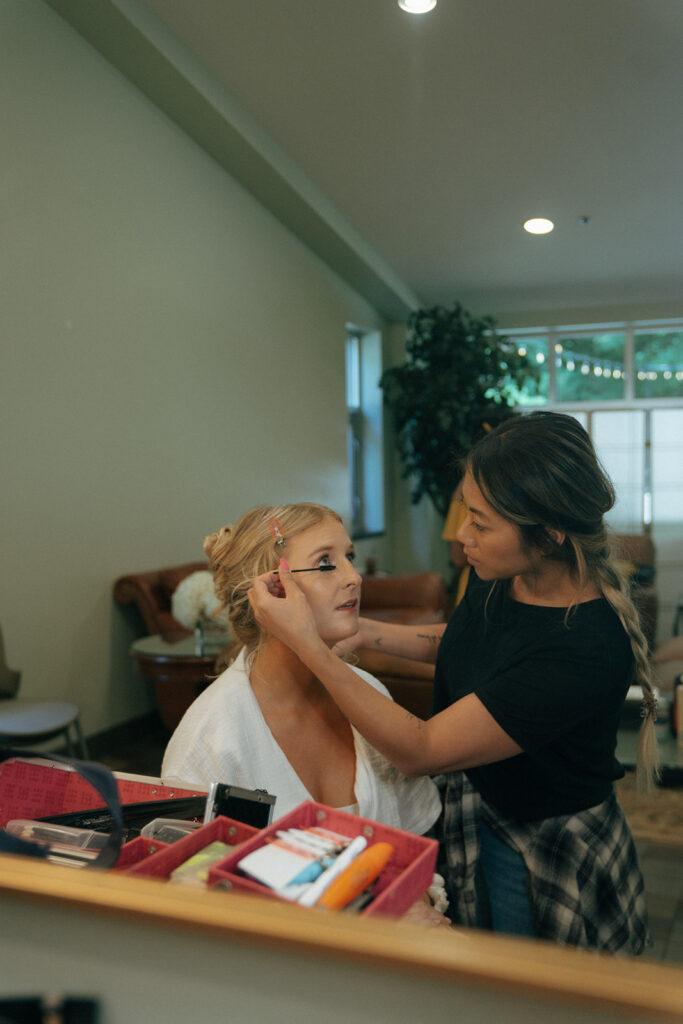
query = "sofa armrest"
x=409 y=682
x=423 y=590
x=151 y=592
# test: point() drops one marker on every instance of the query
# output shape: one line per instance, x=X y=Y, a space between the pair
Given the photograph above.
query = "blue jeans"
x=502 y=886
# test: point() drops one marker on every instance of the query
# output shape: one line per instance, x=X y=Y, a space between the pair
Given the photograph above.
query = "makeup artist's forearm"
x=388 y=727
x=420 y=643
x=463 y=736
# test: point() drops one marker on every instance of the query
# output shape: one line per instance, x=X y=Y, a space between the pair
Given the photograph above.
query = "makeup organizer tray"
x=405 y=878
x=170 y=856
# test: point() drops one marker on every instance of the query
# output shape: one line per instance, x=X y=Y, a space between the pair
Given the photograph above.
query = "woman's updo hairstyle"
x=238 y=554
x=540 y=472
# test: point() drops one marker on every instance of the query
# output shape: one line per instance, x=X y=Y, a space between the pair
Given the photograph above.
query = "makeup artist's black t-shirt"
x=557 y=688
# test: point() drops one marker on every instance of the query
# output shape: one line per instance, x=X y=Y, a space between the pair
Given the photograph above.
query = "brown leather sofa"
x=413 y=598
x=417 y=599
x=151 y=593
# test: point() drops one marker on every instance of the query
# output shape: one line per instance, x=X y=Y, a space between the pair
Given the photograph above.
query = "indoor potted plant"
x=458 y=374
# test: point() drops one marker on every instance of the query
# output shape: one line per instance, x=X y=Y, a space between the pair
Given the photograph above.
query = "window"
x=589 y=367
x=365 y=431
x=624 y=383
x=619 y=363
x=658 y=364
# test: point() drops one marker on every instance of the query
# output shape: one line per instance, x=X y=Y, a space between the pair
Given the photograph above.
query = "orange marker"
x=358 y=876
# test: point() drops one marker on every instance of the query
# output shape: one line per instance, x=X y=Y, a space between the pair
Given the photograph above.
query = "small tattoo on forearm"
x=430 y=637
x=411 y=717
x=378 y=641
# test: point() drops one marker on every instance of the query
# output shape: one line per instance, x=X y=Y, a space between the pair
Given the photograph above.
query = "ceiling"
x=433 y=138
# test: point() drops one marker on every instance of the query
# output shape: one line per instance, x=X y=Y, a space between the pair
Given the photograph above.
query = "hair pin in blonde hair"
x=276 y=530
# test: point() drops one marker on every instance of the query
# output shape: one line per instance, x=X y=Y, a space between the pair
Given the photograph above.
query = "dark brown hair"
x=540 y=472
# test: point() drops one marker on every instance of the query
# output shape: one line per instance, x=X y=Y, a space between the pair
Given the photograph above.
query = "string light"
x=599 y=366
x=571 y=361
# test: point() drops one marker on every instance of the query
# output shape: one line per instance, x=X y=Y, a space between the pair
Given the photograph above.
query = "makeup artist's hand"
x=348 y=645
x=355 y=642
x=281 y=609
x=423 y=914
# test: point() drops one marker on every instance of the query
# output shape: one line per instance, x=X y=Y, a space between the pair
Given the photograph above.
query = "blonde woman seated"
x=267 y=722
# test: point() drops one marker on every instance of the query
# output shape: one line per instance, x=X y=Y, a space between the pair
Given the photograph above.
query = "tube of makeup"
x=367 y=866
x=317 y=888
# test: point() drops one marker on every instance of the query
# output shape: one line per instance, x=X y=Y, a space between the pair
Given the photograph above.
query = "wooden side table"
x=179 y=675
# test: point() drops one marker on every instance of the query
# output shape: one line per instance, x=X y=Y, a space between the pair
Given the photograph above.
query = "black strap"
x=102 y=780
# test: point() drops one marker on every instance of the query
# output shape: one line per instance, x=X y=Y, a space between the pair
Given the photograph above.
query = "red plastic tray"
x=30 y=789
x=136 y=850
x=406 y=877
x=221 y=829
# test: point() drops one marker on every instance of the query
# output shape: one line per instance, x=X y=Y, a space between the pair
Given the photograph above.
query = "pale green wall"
x=416 y=543
x=171 y=355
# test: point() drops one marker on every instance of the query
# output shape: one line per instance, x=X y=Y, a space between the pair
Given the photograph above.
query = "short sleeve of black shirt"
x=554 y=682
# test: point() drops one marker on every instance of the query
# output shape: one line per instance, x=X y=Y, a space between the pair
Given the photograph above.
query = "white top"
x=223 y=737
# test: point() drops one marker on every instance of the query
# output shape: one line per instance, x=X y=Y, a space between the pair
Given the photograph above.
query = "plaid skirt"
x=585 y=882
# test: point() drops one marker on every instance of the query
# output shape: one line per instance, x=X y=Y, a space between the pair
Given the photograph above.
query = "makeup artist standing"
x=531 y=675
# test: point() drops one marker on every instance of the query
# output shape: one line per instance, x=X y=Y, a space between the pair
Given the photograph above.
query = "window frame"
x=629 y=402
x=629 y=329
x=365 y=432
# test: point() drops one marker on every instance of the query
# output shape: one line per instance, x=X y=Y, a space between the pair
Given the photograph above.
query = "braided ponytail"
x=596 y=561
x=612 y=583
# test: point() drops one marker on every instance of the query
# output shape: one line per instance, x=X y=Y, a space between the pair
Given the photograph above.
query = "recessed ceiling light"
x=538 y=226
x=417 y=6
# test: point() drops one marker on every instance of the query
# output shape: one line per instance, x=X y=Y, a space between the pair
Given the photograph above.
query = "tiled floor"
x=661 y=863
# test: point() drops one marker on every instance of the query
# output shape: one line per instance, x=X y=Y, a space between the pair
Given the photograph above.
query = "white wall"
x=171 y=355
